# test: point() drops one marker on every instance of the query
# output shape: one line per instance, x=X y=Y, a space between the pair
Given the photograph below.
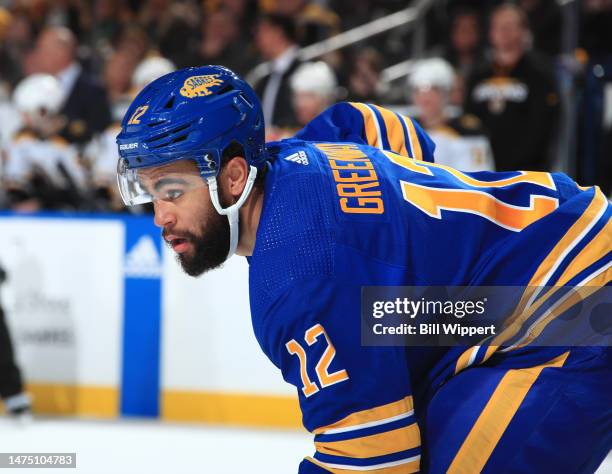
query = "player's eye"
x=172 y=194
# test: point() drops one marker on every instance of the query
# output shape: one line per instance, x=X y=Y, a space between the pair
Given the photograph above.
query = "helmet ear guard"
x=232 y=212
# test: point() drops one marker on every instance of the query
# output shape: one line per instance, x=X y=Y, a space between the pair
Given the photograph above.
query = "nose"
x=164 y=214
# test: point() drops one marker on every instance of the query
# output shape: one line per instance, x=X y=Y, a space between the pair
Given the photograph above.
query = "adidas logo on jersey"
x=299 y=157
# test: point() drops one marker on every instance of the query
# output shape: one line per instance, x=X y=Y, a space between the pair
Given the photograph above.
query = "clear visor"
x=167 y=182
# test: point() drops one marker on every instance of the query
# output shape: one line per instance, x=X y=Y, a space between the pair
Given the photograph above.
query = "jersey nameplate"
x=357 y=184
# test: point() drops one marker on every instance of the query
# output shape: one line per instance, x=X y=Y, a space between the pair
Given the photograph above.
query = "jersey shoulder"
x=295 y=233
x=24 y=136
x=370 y=124
x=467 y=125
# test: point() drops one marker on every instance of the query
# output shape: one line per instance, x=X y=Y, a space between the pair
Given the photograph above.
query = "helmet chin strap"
x=232 y=212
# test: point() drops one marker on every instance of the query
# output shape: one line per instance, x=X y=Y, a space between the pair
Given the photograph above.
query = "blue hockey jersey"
x=355 y=200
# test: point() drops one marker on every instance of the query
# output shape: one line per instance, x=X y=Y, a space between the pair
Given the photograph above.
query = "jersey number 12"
x=322 y=368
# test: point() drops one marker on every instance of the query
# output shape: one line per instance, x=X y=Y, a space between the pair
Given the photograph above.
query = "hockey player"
x=16 y=402
x=460 y=142
x=355 y=200
x=42 y=170
x=314 y=87
x=102 y=150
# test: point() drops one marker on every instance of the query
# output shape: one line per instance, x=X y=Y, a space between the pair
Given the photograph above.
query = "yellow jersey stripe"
x=405 y=467
x=514 y=328
x=593 y=251
x=371 y=417
x=410 y=163
x=389 y=442
x=395 y=131
x=495 y=417
x=414 y=139
x=535 y=177
x=550 y=264
x=466 y=359
x=489 y=352
x=600 y=278
x=370 y=123
x=571 y=238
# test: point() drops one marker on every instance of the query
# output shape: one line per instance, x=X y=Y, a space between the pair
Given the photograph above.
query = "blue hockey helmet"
x=195 y=114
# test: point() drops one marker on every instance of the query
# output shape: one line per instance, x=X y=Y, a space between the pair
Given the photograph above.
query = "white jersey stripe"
x=370 y=424
x=408 y=135
x=379 y=138
x=564 y=254
x=556 y=305
x=373 y=467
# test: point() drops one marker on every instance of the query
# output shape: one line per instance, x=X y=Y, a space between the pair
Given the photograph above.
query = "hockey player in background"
x=460 y=142
x=314 y=88
x=355 y=200
x=42 y=170
x=16 y=402
x=101 y=152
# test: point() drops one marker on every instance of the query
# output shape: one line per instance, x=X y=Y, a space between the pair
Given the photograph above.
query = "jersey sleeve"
x=18 y=164
x=356 y=400
x=69 y=166
x=370 y=125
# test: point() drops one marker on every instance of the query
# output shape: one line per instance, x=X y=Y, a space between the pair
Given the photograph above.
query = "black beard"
x=210 y=248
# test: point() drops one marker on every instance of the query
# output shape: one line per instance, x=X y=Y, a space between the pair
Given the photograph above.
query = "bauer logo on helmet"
x=199 y=86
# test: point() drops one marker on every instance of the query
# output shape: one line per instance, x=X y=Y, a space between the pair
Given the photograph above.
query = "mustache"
x=186 y=235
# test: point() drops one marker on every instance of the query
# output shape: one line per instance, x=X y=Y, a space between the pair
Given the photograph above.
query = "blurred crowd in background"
x=504 y=86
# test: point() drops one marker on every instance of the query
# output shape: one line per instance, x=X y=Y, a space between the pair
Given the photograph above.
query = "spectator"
x=314 y=89
x=514 y=95
x=133 y=39
x=9 y=72
x=176 y=28
x=244 y=13
x=155 y=17
x=364 y=77
x=314 y=22
x=464 y=43
x=118 y=80
x=42 y=170
x=593 y=164
x=276 y=42
x=85 y=105
x=106 y=23
x=545 y=20
x=8 y=68
x=15 y=40
x=221 y=43
x=463 y=49
x=460 y=142
x=596 y=33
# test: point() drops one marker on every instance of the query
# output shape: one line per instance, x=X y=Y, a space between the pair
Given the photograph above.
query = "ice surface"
x=153 y=447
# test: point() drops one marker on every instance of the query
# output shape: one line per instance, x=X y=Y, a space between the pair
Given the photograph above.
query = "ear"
x=234 y=177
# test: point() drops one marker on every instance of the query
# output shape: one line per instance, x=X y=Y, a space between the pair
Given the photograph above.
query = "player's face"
x=465 y=33
x=506 y=31
x=429 y=101
x=191 y=226
x=308 y=105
